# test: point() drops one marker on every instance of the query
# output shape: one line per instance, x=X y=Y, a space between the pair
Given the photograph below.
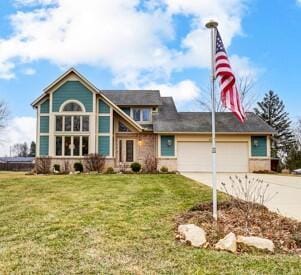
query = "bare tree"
x=245 y=86
x=20 y=149
x=3 y=114
x=298 y=133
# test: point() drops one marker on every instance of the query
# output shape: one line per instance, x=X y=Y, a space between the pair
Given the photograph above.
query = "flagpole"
x=212 y=25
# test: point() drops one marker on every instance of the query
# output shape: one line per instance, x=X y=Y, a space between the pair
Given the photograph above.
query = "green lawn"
x=110 y=224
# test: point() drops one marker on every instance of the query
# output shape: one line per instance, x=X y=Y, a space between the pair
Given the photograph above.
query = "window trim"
x=122 y=153
x=141 y=109
x=267 y=149
x=61 y=110
x=63 y=136
x=160 y=149
x=63 y=115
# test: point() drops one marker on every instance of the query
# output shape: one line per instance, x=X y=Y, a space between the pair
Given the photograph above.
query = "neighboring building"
x=16 y=163
x=74 y=118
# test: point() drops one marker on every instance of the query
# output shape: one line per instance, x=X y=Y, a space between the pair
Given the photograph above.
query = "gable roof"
x=168 y=120
x=92 y=88
x=59 y=79
x=133 y=97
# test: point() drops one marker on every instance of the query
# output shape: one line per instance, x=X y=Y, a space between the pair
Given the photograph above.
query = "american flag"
x=229 y=93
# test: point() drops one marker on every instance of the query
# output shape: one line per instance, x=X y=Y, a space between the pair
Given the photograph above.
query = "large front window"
x=72 y=145
x=72 y=131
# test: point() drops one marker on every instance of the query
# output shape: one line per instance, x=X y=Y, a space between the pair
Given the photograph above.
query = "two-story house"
x=74 y=119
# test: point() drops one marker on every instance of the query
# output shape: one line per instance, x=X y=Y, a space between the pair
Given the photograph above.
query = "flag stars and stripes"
x=229 y=93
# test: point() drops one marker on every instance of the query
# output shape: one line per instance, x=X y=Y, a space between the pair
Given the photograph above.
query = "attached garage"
x=196 y=156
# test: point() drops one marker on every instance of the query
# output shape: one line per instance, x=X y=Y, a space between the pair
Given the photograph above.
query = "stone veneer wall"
x=145 y=144
x=109 y=162
x=147 y=147
x=257 y=164
x=170 y=163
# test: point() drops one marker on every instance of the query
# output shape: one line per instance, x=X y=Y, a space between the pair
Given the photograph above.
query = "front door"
x=126 y=150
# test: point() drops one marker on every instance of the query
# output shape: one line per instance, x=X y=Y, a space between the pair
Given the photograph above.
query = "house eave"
x=121 y=113
x=209 y=133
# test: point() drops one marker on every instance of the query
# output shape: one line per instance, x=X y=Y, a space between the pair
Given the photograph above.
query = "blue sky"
x=134 y=44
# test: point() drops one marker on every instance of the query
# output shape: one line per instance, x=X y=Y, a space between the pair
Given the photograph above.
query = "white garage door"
x=196 y=156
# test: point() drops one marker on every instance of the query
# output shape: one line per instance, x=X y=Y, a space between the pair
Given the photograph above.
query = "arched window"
x=72 y=107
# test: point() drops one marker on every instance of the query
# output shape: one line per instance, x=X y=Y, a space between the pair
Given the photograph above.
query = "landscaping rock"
x=228 y=243
x=257 y=242
x=193 y=234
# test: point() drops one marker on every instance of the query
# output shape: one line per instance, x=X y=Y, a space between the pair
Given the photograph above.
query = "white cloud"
x=181 y=92
x=120 y=36
x=110 y=34
x=29 y=71
x=117 y=35
x=19 y=130
x=243 y=67
x=6 y=68
x=34 y=2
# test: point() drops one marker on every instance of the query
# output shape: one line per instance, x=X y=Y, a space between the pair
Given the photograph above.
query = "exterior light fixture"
x=139 y=141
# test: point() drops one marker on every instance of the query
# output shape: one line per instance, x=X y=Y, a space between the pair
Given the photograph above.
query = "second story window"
x=146 y=115
x=141 y=115
x=72 y=123
x=72 y=107
x=136 y=114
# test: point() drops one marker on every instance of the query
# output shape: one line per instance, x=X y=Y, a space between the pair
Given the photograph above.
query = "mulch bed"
x=284 y=232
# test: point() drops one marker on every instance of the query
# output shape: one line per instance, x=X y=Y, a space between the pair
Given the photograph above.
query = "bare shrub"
x=150 y=163
x=43 y=165
x=251 y=190
x=94 y=162
x=122 y=167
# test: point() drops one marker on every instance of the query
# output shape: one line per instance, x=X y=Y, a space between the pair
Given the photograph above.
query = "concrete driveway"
x=287 y=201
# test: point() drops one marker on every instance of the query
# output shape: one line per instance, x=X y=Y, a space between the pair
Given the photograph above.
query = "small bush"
x=78 y=167
x=43 y=165
x=136 y=167
x=164 y=169
x=110 y=170
x=57 y=167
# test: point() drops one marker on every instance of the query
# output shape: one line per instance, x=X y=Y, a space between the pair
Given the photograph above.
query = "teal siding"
x=127 y=111
x=104 y=124
x=45 y=107
x=44 y=124
x=44 y=145
x=103 y=107
x=104 y=145
x=166 y=149
x=72 y=90
x=259 y=146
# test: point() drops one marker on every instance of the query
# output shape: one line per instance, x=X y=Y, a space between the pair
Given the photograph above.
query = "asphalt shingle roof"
x=133 y=97
x=169 y=120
